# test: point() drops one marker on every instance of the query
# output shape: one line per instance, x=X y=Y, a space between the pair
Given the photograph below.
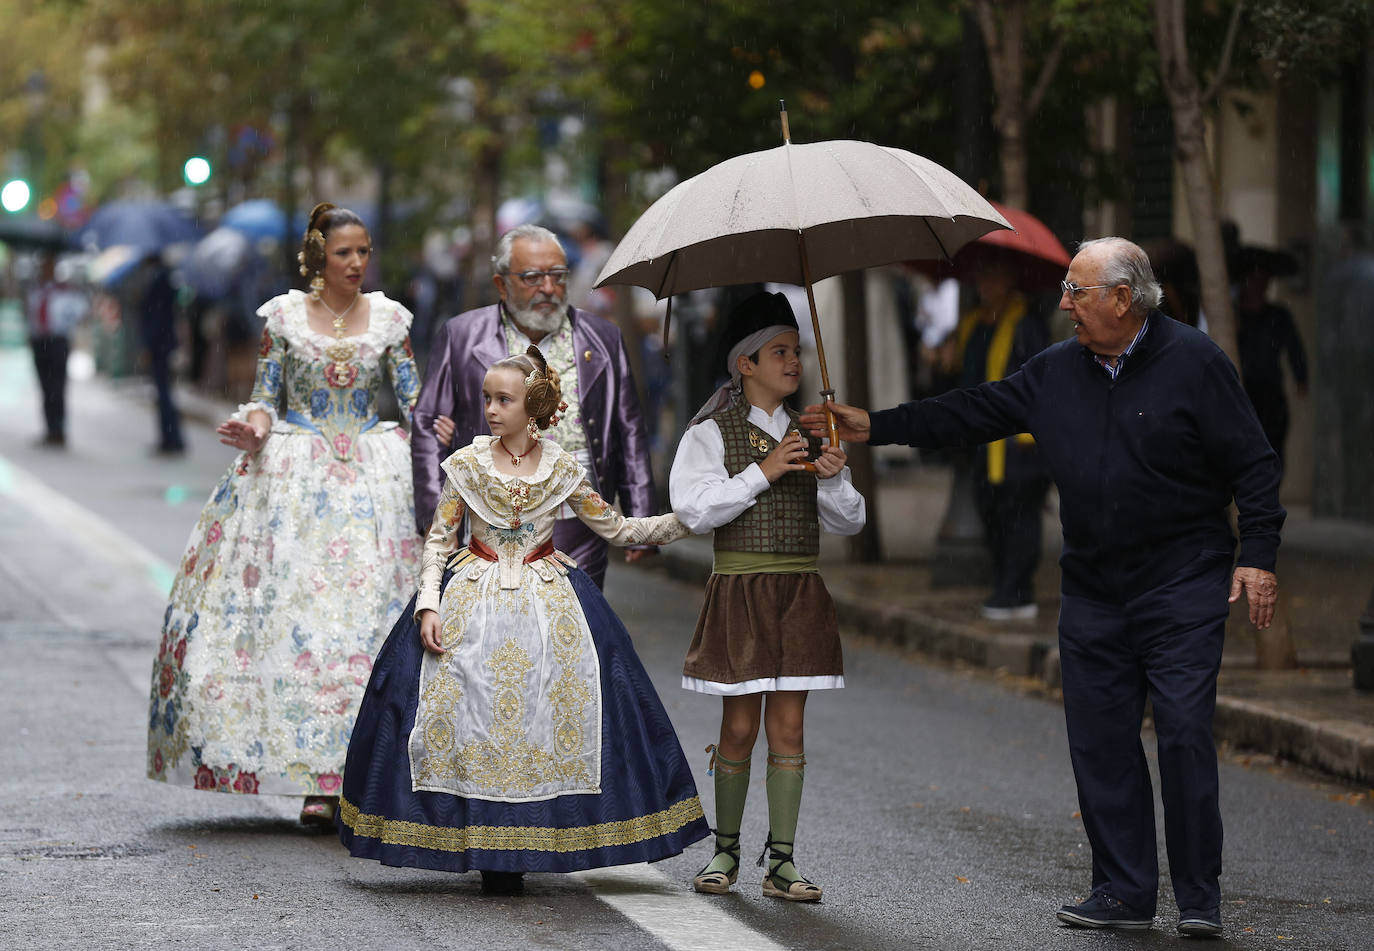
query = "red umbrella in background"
x=1031 y=251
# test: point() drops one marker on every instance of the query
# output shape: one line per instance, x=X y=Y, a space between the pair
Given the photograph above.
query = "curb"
x=1341 y=748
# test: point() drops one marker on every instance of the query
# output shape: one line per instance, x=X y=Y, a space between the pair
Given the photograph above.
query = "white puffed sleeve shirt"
x=704 y=496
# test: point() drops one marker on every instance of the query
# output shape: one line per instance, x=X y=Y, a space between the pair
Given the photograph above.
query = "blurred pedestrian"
x=603 y=429
x=1149 y=436
x=157 y=312
x=54 y=310
x=993 y=340
x=509 y=726
x=1265 y=334
x=768 y=633
x=306 y=551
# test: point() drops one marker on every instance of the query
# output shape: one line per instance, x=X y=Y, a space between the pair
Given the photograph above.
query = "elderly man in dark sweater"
x=1149 y=436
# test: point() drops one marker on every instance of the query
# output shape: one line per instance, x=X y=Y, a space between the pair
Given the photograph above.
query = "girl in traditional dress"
x=509 y=726
x=768 y=627
x=305 y=553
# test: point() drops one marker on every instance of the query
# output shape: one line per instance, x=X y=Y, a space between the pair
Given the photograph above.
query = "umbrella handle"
x=828 y=396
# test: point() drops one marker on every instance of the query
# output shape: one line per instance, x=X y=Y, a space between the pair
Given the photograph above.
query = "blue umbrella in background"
x=146 y=225
x=257 y=218
x=220 y=261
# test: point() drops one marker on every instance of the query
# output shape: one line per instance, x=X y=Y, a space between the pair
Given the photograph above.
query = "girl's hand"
x=830 y=462
x=241 y=435
x=443 y=430
x=787 y=456
x=429 y=631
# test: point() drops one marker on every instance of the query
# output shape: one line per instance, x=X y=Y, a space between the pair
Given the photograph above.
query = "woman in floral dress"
x=305 y=553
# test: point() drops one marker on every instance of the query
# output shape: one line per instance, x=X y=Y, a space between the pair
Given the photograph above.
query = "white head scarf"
x=728 y=393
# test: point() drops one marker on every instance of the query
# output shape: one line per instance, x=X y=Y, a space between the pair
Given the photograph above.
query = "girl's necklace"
x=514 y=459
x=339 y=315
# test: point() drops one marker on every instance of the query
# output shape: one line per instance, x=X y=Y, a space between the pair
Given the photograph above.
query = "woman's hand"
x=242 y=435
x=443 y=430
x=787 y=456
x=830 y=462
x=430 y=635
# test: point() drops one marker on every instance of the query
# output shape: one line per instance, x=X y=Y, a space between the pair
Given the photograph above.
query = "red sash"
x=479 y=549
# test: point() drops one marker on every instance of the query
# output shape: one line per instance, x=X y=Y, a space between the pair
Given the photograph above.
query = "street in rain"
x=823 y=477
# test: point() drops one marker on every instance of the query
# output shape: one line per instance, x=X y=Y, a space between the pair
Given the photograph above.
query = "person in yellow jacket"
x=991 y=342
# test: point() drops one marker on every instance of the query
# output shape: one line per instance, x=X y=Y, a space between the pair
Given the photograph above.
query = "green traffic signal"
x=15 y=195
x=196 y=171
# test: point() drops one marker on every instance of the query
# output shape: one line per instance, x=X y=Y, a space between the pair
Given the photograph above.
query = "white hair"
x=1127 y=263
x=500 y=256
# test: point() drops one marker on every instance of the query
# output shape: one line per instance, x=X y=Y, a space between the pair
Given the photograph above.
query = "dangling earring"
x=533 y=428
x=316 y=285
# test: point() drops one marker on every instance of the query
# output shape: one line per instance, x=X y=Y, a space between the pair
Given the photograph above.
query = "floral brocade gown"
x=299 y=564
x=536 y=742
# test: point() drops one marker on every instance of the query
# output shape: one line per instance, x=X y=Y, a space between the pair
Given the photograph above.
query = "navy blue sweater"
x=1146 y=464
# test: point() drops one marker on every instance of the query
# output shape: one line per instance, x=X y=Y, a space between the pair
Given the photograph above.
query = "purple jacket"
x=469 y=343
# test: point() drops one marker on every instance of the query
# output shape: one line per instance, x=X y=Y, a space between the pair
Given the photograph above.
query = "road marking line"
x=73 y=520
x=671 y=912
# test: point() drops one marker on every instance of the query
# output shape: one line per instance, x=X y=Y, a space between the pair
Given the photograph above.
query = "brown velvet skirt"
x=756 y=626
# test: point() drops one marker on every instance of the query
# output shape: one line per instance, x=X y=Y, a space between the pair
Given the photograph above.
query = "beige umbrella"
x=796 y=214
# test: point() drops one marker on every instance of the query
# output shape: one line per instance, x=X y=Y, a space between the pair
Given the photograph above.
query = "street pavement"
x=939 y=813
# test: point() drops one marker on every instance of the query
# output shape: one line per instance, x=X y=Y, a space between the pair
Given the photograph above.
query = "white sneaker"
x=1014 y=612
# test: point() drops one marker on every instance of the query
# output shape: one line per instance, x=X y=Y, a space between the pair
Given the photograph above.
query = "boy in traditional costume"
x=768 y=627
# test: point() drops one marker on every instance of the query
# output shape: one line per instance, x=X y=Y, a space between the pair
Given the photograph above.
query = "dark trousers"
x=572 y=537
x=1012 y=529
x=168 y=420
x=50 y=361
x=1165 y=644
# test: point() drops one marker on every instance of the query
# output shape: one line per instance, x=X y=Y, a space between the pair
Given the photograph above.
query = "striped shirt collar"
x=1105 y=362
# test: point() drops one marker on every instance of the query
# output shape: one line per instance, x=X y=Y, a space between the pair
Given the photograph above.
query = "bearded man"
x=602 y=426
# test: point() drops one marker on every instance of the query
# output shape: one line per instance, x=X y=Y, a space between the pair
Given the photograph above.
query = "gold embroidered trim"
x=531 y=838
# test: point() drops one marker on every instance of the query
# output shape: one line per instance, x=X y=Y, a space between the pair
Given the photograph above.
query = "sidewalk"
x=1311 y=715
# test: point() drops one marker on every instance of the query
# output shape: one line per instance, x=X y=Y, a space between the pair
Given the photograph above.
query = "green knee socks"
x=786 y=774
x=732 y=788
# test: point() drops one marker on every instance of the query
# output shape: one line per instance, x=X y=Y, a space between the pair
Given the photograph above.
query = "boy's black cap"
x=751 y=315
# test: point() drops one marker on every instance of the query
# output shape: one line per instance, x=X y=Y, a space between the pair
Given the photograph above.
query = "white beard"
x=531 y=318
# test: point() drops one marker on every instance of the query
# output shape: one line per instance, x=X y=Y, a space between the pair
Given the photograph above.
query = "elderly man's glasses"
x=1075 y=291
x=535 y=278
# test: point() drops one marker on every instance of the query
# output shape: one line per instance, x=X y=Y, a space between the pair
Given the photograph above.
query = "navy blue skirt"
x=647 y=808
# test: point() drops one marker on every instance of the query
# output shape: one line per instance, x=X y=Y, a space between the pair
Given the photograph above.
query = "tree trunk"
x=1190 y=145
x=486 y=196
x=865 y=546
x=1274 y=648
x=1003 y=26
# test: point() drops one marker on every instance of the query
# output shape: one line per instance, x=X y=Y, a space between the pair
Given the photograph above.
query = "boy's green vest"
x=783 y=518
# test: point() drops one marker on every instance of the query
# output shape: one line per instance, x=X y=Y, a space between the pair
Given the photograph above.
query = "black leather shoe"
x=503 y=883
x=1200 y=924
x=1103 y=911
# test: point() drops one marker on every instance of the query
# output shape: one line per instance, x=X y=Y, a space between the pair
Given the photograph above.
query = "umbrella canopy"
x=146 y=225
x=257 y=218
x=796 y=214
x=214 y=264
x=1031 y=251
x=856 y=204
x=112 y=265
x=30 y=231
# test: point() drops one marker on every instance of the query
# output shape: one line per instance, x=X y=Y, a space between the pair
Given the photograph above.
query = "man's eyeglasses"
x=535 y=278
x=1075 y=291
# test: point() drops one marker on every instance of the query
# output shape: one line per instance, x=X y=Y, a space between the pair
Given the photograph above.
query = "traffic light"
x=15 y=195
x=196 y=171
